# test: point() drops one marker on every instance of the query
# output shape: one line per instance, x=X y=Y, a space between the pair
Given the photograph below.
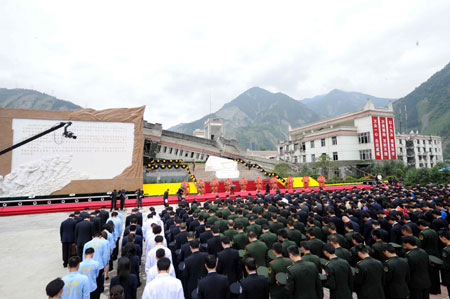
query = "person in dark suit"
x=181 y=237
x=67 y=234
x=83 y=234
x=96 y=220
x=166 y=196
x=185 y=250
x=104 y=214
x=135 y=214
x=137 y=238
x=254 y=286
x=113 y=200
x=84 y=213
x=207 y=234
x=229 y=261
x=78 y=218
x=214 y=285
x=138 y=230
x=214 y=243
x=123 y=195
x=194 y=269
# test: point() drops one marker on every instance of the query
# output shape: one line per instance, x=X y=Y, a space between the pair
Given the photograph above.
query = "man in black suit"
x=214 y=243
x=207 y=234
x=123 y=195
x=83 y=234
x=78 y=218
x=96 y=220
x=181 y=237
x=137 y=238
x=84 y=213
x=104 y=214
x=229 y=261
x=254 y=286
x=200 y=228
x=67 y=233
x=113 y=200
x=214 y=285
x=185 y=250
x=166 y=196
x=194 y=269
x=138 y=228
x=135 y=214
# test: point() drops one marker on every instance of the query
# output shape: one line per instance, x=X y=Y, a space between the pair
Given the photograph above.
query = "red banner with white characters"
x=376 y=137
x=391 y=134
x=384 y=138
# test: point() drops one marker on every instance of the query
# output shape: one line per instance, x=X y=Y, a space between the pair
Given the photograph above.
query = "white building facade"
x=420 y=151
x=364 y=135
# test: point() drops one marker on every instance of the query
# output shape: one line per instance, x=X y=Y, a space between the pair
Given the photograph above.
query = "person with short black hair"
x=76 y=285
x=151 y=256
x=302 y=277
x=396 y=271
x=164 y=285
x=418 y=261
x=54 y=288
x=254 y=286
x=277 y=265
x=90 y=268
x=213 y=285
x=194 y=268
x=229 y=261
x=67 y=235
x=339 y=274
x=369 y=275
x=256 y=249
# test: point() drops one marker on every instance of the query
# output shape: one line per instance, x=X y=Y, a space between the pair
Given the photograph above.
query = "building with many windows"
x=419 y=150
x=355 y=139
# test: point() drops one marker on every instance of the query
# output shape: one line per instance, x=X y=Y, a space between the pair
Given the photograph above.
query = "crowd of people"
x=383 y=242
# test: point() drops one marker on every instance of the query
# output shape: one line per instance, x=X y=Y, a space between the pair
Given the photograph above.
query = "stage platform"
x=146 y=202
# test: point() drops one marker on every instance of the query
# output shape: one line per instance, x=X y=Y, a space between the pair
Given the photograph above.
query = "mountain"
x=338 y=102
x=257 y=118
x=31 y=99
x=427 y=109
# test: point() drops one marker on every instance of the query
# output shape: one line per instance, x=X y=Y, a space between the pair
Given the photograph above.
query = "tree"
x=283 y=169
x=324 y=164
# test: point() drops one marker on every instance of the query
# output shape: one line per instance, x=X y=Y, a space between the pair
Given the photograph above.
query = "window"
x=303 y=146
x=435 y=142
x=165 y=149
x=423 y=141
x=401 y=149
x=365 y=155
x=322 y=142
x=176 y=152
x=158 y=149
x=364 y=137
x=197 y=156
x=295 y=159
x=337 y=172
x=418 y=149
x=181 y=153
x=186 y=154
x=312 y=144
x=435 y=150
x=170 y=151
x=201 y=157
x=304 y=158
x=287 y=148
x=335 y=156
x=313 y=158
x=429 y=141
x=334 y=140
x=295 y=146
x=400 y=141
x=192 y=154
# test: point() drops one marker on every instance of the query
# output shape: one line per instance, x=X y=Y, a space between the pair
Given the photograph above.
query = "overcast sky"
x=172 y=56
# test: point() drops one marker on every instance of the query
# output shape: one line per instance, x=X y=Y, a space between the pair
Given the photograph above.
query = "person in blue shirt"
x=116 y=234
x=101 y=255
x=76 y=286
x=90 y=268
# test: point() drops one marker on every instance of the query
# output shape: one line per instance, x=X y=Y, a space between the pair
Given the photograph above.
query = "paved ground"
x=30 y=256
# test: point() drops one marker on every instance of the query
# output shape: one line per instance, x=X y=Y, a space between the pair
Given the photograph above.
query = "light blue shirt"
x=90 y=268
x=111 y=242
x=76 y=286
x=117 y=227
x=101 y=250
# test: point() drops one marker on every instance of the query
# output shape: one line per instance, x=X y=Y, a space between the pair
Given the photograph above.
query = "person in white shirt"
x=150 y=238
x=163 y=286
x=153 y=272
x=151 y=256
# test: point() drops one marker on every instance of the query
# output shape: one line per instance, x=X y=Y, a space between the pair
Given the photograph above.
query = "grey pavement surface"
x=30 y=255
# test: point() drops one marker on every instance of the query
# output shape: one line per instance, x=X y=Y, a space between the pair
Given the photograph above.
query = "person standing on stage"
x=123 y=195
x=139 y=196
x=113 y=200
x=166 y=197
x=67 y=234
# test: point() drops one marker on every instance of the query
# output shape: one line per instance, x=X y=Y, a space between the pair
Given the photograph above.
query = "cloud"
x=174 y=57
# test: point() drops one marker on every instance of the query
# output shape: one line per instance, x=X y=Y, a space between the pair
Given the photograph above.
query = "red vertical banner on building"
x=384 y=138
x=391 y=134
x=376 y=138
